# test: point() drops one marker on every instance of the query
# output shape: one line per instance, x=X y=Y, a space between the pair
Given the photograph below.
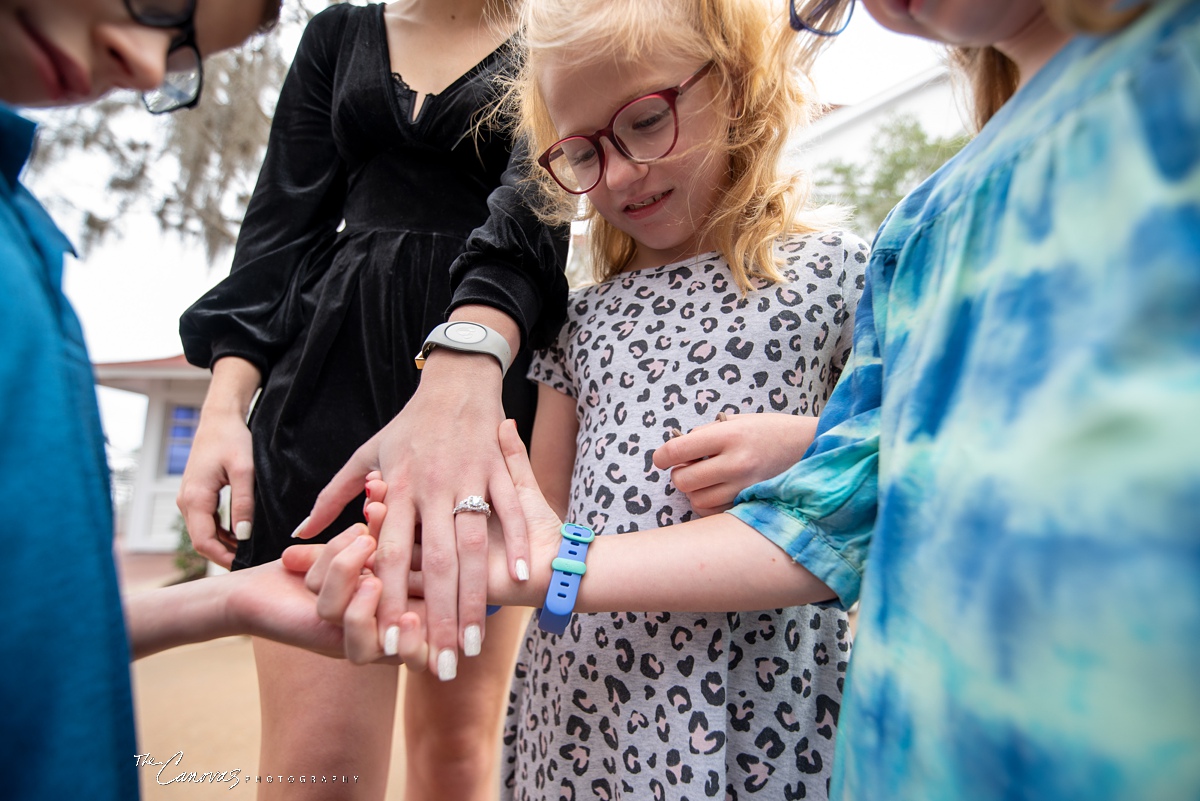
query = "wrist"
x=231 y=617
x=466 y=336
x=225 y=407
x=445 y=366
x=235 y=381
x=462 y=386
x=567 y=571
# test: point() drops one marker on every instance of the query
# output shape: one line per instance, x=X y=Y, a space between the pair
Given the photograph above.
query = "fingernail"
x=447 y=664
x=366 y=514
x=242 y=531
x=675 y=432
x=300 y=528
x=391 y=641
x=472 y=642
x=368 y=492
x=721 y=418
x=522 y=570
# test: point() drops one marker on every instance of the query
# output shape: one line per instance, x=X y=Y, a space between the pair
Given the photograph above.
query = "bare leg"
x=323 y=717
x=452 y=729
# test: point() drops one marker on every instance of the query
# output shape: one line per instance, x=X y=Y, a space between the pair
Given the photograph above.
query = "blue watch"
x=569 y=568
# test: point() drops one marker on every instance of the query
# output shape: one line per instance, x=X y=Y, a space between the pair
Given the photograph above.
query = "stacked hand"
x=439 y=450
x=349 y=591
x=712 y=464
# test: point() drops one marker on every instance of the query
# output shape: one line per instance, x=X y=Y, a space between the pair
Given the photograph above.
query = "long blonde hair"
x=992 y=77
x=757 y=81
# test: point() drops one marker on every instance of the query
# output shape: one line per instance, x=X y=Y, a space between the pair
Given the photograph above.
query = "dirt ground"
x=202 y=700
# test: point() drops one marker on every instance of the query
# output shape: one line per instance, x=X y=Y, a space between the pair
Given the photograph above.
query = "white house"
x=845 y=133
x=175 y=390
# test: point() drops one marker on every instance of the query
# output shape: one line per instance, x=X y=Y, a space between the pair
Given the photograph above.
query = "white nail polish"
x=447 y=664
x=522 y=570
x=300 y=528
x=242 y=531
x=472 y=641
x=391 y=641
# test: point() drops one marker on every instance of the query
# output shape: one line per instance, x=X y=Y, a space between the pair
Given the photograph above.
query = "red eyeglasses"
x=643 y=130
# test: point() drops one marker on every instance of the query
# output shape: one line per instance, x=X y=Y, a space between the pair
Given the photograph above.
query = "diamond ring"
x=474 y=503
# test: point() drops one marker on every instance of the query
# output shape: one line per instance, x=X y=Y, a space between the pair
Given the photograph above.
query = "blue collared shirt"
x=66 y=711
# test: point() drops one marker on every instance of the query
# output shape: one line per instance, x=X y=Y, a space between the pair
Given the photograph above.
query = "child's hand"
x=713 y=463
x=541 y=523
x=348 y=592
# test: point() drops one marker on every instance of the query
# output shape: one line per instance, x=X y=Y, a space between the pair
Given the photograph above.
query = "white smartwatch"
x=469 y=338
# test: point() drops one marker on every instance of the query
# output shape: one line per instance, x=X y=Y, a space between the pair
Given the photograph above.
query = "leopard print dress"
x=669 y=705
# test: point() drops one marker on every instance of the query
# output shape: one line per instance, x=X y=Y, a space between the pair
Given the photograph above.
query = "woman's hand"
x=439 y=450
x=341 y=574
x=713 y=463
x=222 y=455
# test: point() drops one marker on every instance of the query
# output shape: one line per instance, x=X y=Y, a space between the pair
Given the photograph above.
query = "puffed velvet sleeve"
x=822 y=510
x=291 y=221
x=514 y=262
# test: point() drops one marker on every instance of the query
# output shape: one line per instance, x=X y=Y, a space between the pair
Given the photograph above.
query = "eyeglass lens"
x=161 y=13
x=181 y=83
x=183 y=77
x=644 y=131
x=822 y=17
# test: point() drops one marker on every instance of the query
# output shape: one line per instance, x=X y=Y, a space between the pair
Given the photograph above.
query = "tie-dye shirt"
x=1010 y=466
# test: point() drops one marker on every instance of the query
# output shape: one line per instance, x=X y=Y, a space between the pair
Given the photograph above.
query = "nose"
x=619 y=171
x=132 y=56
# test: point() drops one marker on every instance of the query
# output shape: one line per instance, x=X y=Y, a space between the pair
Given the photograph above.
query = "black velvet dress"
x=343 y=262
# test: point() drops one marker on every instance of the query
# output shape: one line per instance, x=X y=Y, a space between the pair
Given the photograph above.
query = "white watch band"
x=470 y=338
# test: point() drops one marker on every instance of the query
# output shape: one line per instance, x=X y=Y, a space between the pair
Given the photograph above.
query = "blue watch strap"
x=569 y=568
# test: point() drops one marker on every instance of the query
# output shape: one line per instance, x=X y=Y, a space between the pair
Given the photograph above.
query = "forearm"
x=233 y=385
x=715 y=564
x=194 y=611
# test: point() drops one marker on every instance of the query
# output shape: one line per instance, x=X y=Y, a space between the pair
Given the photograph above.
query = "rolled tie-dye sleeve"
x=822 y=510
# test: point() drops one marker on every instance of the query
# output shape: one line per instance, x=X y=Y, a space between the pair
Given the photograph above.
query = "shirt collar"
x=16 y=143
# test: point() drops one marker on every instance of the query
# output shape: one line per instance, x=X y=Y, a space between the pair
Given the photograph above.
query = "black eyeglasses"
x=184 y=78
x=820 y=17
x=643 y=130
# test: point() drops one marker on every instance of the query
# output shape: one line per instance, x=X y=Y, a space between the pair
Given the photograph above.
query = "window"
x=181 y=429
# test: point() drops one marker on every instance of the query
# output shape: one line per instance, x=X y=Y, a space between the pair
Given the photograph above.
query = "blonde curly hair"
x=754 y=57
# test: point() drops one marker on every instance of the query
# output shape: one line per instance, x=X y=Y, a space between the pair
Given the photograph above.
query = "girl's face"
x=663 y=205
x=56 y=52
x=972 y=23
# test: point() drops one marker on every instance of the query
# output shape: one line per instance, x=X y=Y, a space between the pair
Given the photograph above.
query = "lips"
x=646 y=205
x=64 y=77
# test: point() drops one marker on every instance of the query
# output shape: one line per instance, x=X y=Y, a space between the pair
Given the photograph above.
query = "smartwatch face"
x=466 y=333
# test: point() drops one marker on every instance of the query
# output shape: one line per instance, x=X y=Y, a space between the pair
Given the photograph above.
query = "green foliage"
x=902 y=155
x=191 y=564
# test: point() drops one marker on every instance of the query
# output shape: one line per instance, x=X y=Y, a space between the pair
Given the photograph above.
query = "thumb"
x=533 y=503
x=241 y=501
x=299 y=558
